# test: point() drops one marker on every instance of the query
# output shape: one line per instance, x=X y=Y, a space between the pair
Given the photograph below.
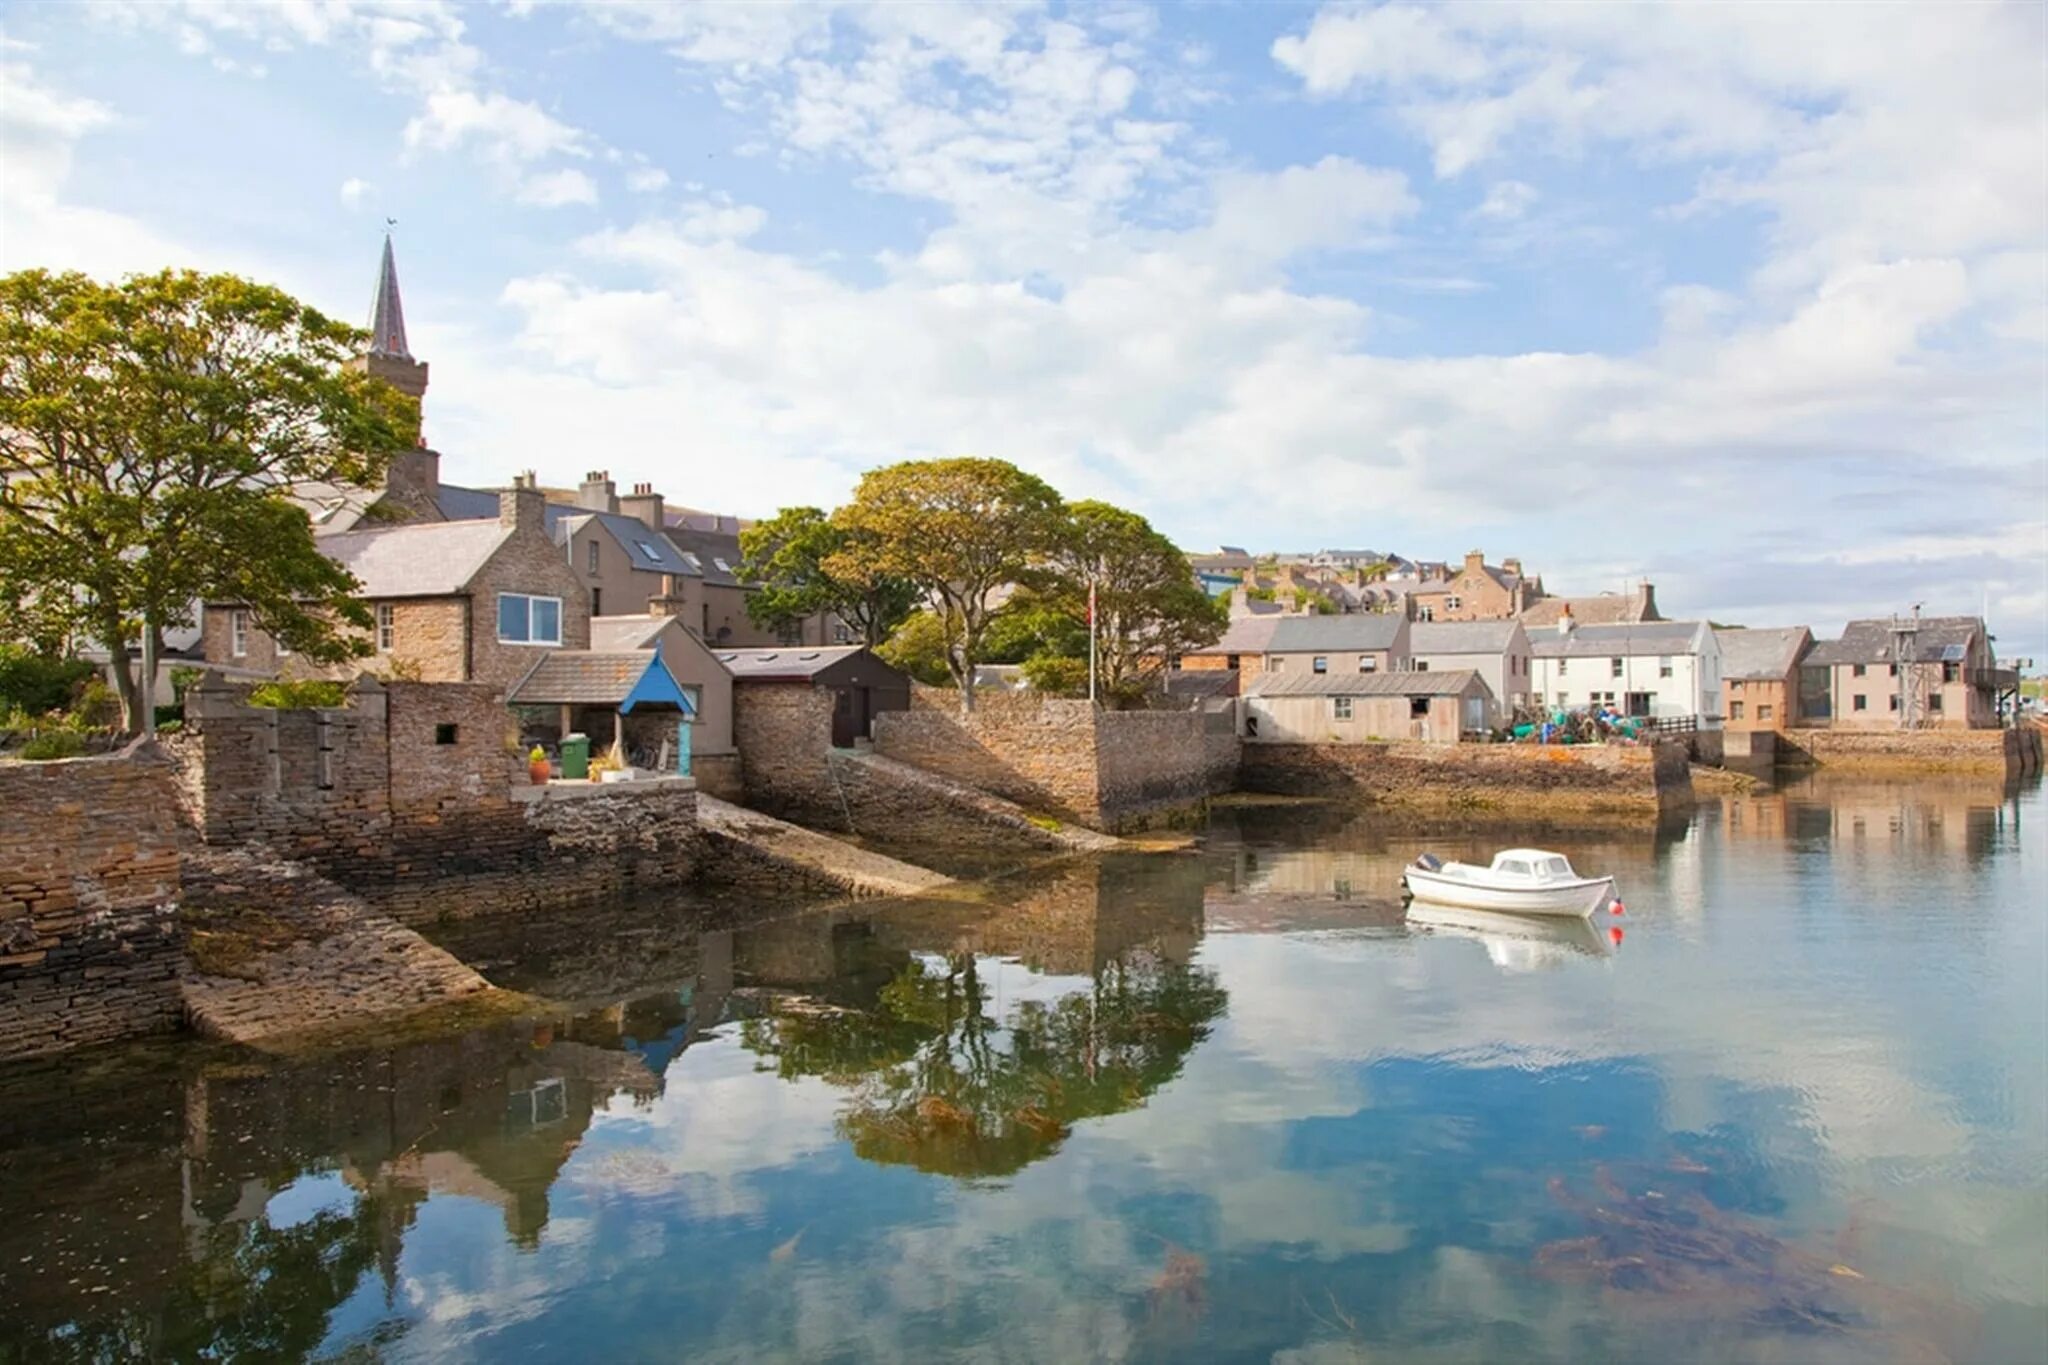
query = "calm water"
x=1227 y=1105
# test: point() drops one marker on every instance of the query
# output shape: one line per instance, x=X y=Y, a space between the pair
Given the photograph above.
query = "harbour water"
x=1229 y=1104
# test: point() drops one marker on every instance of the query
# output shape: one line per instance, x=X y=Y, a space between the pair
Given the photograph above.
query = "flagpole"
x=1091 y=637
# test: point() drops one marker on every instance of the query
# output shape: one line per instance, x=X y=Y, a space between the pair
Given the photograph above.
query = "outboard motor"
x=1429 y=862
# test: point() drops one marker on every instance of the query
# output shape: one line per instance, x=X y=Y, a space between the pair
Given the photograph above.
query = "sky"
x=1748 y=300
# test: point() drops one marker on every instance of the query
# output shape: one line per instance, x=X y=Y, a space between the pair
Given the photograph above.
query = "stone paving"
x=811 y=858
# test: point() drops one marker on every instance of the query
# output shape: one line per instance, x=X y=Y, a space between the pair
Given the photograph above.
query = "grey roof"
x=610 y=634
x=1449 y=682
x=1246 y=635
x=581 y=677
x=431 y=559
x=387 y=315
x=646 y=551
x=1870 y=642
x=1760 y=653
x=1638 y=604
x=1644 y=637
x=1313 y=634
x=758 y=665
x=474 y=504
x=1202 y=682
x=708 y=549
x=1461 y=637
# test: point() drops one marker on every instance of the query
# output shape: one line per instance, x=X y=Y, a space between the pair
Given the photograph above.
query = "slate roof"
x=430 y=559
x=1202 y=682
x=1324 y=634
x=1607 y=609
x=1245 y=635
x=646 y=551
x=609 y=634
x=706 y=549
x=1870 y=642
x=1450 y=682
x=1643 y=637
x=1461 y=637
x=581 y=677
x=782 y=664
x=1760 y=653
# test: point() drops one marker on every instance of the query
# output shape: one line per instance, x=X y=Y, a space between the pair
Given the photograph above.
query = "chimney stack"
x=1513 y=566
x=1475 y=561
x=598 y=493
x=644 y=505
x=1565 y=622
x=522 y=505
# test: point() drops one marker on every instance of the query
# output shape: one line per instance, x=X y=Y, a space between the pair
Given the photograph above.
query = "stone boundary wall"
x=89 y=888
x=2010 y=753
x=1104 y=769
x=783 y=732
x=1550 y=781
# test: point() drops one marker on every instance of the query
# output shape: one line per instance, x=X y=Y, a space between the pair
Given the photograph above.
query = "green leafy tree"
x=956 y=531
x=918 y=647
x=1148 y=605
x=148 y=432
x=788 y=555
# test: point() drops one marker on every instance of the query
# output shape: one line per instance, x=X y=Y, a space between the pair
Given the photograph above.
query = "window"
x=1422 y=665
x=843 y=634
x=444 y=733
x=1892 y=669
x=723 y=567
x=283 y=651
x=1231 y=661
x=1764 y=710
x=1951 y=673
x=1564 y=699
x=238 y=634
x=1320 y=664
x=652 y=555
x=790 y=633
x=387 y=627
x=1858 y=671
x=1859 y=702
x=1934 y=701
x=1341 y=707
x=1664 y=667
x=1418 y=708
x=524 y=620
x=590 y=556
x=1368 y=664
x=1614 y=667
x=597 y=601
x=1560 y=666
x=1894 y=700
x=1277 y=662
x=1453 y=602
x=1426 y=614
x=1735 y=711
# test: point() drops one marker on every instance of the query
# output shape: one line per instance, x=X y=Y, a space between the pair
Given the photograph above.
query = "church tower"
x=388 y=358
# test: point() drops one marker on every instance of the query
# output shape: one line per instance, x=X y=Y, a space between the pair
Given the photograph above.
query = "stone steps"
x=809 y=857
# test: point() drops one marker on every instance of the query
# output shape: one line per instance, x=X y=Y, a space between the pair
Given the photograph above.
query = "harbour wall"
x=1549 y=782
x=2004 y=753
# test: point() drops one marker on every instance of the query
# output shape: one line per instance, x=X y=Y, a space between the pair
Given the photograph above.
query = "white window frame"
x=1340 y=708
x=238 y=634
x=1454 y=603
x=1368 y=664
x=1319 y=663
x=387 y=627
x=530 y=599
x=1664 y=667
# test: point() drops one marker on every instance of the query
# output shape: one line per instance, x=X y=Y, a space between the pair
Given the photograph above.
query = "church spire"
x=387 y=314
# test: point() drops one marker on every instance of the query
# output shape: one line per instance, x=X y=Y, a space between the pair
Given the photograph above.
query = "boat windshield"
x=1513 y=867
x=1554 y=869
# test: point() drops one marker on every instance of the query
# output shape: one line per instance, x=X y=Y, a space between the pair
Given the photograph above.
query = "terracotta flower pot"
x=539 y=771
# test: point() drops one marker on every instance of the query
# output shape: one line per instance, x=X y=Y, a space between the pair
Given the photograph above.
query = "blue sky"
x=1750 y=300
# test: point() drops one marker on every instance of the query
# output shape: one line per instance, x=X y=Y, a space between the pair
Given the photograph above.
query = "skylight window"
x=723 y=567
x=653 y=555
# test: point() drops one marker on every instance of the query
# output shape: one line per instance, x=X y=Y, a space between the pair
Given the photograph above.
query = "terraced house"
x=1907 y=673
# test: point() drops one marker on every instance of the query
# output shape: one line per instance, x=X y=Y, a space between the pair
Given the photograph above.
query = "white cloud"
x=353 y=189
x=1507 y=200
x=557 y=189
x=502 y=129
x=646 y=179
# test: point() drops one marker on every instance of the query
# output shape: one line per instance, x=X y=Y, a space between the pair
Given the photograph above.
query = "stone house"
x=1241 y=648
x=456 y=601
x=1667 y=670
x=1760 y=677
x=1338 y=644
x=1498 y=651
x=1906 y=673
x=1357 y=708
x=1477 y=592
x=791 y=707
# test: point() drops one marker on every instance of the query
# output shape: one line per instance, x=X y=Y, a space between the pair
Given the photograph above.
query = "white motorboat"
x=1522 y=881
x=1517 y=943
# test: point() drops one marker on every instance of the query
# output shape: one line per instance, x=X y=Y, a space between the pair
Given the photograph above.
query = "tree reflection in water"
x=940 y=1084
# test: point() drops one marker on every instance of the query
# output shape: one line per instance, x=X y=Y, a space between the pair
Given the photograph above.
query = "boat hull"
x=1568 y=900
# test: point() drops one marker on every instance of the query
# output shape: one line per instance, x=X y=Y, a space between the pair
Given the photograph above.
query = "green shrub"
x=38 y=683
x=293 y=696
x=55 y=744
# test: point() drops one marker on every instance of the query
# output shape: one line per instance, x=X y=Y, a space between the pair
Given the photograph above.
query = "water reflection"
x=1219 y=1106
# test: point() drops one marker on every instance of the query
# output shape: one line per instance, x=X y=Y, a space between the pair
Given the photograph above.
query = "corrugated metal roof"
x=1760 y=653
x=1450 y=682
x=1644 y=637
x=580 y=677
x=1319 y=634
x=1461 y=637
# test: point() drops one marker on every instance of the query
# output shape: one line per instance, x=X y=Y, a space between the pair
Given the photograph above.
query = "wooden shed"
x=1356 y=708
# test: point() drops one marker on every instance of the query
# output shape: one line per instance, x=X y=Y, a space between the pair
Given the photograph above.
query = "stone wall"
x=1547 y=781
x=783 y=732
x=89 y=883
x=1995 y=752
x=1104 y=769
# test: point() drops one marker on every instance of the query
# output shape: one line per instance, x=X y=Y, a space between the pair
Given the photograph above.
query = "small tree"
x=1148 y=605
x=788 y=554
x=956 y=531
x=148 y=432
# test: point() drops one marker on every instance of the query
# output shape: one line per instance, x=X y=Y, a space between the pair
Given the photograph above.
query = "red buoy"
x=1614 y=934
x=1615 y=908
